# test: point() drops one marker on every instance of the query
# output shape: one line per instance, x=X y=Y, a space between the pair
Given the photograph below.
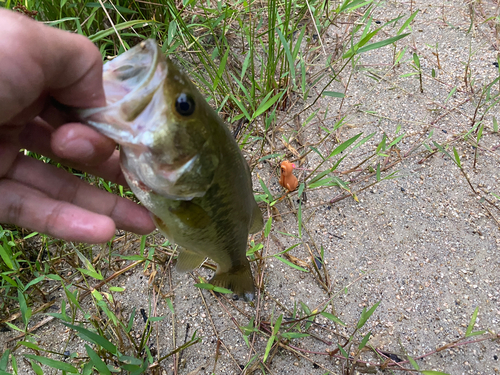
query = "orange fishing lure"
x=287 y=179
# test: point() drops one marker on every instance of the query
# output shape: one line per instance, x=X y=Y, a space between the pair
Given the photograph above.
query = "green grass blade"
x=457 y=157
x=294 y=335
x=4 y=361
x=269 y=345
x=333 y=318
x=346 y=5
x=356 y=47
x=363 y=342
x=244 y=67
x=288 y=249
x=365 y=315
x=35 y=367
x=121 y=26
x=277 y=325
x=288 y=54
x=59 y=365
x=221 y=69
x=382 y=43
x=400 y=55
x=6 y=256
x=344 y=145
x=287 y=262
x=318 y=176
x=440 y=148
x=480 y=133
x=267 y=228
x=33 y=282
x=266 y=104
x=62 y=20
x=217 y=289
x=453 y=90
x=408 y=21
x=241 y=107
x=254 y=249
x=472 y=322
x=23 y=306
x=93 y=338
x=416 y=60
x=364 y=140
x=396 y=141
x=30 y=345
x=266 y=190
x=90 y=270
x=343 y=352
x=333 y=94
x=97 y=361
x=298 y=43
x=299 y=219
x=413 y=363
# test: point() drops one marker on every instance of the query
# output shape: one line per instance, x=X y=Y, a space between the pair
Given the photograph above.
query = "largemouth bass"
x=181 y=162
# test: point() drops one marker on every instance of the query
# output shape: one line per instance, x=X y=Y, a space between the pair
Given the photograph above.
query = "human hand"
x=39 y=64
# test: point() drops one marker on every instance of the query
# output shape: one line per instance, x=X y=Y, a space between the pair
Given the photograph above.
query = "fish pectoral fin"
x=188 y=261
x=238 y=279
x=257 y=221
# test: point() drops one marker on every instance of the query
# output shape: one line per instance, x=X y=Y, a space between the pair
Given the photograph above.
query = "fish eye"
x=184 y=105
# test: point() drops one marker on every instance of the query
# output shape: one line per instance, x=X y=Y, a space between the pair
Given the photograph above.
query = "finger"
x=60 y=185
x=29 y=208
x=80 y=143
x=8 y=153
x=47 y=61
x=37 y=137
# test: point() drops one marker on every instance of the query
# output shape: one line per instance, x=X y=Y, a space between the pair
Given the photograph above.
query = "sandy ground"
x=423 y=244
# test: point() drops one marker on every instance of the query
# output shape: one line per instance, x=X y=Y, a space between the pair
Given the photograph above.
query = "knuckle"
x=69 y=190
x=14 y=208
x=52 y=218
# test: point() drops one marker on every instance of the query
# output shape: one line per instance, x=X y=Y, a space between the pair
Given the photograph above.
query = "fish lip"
x=122 y=90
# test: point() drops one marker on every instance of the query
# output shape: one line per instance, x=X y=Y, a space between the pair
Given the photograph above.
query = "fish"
x=287 y=178
x=181 y=161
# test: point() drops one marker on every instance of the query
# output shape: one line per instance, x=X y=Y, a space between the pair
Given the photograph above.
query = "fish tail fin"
x=238 y=279
x=188 y=261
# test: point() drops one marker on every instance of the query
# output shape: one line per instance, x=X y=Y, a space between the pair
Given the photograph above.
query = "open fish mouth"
x=130 y=82
x=130 y=72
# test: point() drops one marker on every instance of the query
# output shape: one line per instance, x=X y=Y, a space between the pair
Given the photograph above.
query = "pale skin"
x=40 y=64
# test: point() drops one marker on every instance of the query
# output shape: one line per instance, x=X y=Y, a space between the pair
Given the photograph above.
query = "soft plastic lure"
x=287 y=179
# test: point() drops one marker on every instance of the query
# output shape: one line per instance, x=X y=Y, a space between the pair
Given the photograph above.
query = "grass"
x=267 y=68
